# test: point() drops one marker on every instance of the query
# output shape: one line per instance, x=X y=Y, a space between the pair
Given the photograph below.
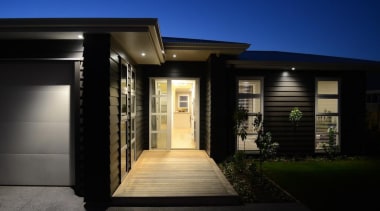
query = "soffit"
x=311 y=66
x=200 y=51
x=134 y=35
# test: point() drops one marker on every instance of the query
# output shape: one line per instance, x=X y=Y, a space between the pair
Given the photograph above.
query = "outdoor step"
x=176 y=201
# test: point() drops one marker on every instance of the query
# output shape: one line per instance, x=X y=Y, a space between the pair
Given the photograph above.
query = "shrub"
x=331 y=148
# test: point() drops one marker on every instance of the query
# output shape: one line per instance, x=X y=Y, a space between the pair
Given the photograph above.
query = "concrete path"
x=20 y=198
x=29 y=198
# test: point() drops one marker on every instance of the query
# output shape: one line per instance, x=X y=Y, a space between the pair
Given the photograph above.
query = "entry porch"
x=175 y=177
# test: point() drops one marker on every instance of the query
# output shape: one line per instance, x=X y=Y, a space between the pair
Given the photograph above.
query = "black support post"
x=96 y=120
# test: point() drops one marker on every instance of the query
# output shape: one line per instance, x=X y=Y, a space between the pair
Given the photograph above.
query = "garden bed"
x=251 y=185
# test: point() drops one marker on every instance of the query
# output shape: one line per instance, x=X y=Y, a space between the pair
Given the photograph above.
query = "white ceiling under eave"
x=142 y=42
x=201 y=51
x=134 y=35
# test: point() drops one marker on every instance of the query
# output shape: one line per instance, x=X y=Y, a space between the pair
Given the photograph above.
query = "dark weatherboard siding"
x=141 y=119
x=114 y=121
x=281 y=94
x=283 y=91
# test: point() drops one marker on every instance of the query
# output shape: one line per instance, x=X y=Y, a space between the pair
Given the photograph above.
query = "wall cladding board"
x=141 y=142
x=281 y=94
x=114 y=122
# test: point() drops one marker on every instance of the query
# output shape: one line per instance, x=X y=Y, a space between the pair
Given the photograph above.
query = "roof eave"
x=288 y=65
x=41 y=28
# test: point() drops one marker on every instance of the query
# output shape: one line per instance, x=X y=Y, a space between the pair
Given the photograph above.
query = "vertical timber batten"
x=219 y=111
x=96 y=114
x=353 y=116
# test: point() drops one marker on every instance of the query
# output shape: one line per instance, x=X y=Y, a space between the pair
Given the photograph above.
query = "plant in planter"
x=295 y=116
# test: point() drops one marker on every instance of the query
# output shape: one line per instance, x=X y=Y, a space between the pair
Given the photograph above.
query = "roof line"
x=74 y=24
x=190 y=44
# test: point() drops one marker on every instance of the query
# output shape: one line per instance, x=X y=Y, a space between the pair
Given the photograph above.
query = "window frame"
x=254 y=114
x=183 y=101
x=327 y=114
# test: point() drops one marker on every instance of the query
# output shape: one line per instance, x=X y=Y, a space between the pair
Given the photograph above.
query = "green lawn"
x=330 y=185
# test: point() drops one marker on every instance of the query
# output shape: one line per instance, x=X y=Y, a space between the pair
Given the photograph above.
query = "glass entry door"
x=173 y=114
x=159 y=130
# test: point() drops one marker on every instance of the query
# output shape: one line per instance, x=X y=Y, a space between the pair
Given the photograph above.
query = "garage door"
x=35 y=140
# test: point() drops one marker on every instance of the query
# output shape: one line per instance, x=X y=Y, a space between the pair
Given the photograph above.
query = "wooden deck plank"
x=175 y=173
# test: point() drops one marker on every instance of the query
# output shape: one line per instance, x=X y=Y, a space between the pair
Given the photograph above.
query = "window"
x=183 y=103
x=250 y=97
x=327 y=112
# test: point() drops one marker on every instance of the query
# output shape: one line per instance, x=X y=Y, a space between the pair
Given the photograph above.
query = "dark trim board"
x=42 y=49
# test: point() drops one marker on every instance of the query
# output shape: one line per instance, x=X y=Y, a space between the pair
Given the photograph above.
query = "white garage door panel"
x=35 y=103
x=35 y=130
x=35 y=138
x=35 y=169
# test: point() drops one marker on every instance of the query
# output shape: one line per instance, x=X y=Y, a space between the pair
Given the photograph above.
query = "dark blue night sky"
x=345 y=28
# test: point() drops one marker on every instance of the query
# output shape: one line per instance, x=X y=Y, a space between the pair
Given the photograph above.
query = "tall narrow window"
x=124 y=164
x=327 y=112
x=250 y=97
x=132 y=103
x=159 y=109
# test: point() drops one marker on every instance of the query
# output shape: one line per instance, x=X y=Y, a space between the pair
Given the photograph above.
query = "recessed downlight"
x=143 y=54
x=285 y=73
x=174 y=55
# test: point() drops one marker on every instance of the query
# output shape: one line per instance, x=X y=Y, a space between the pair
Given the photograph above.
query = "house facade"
x=82 y=98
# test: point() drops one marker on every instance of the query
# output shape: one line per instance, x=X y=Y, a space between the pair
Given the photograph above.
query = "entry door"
x=174 y=113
